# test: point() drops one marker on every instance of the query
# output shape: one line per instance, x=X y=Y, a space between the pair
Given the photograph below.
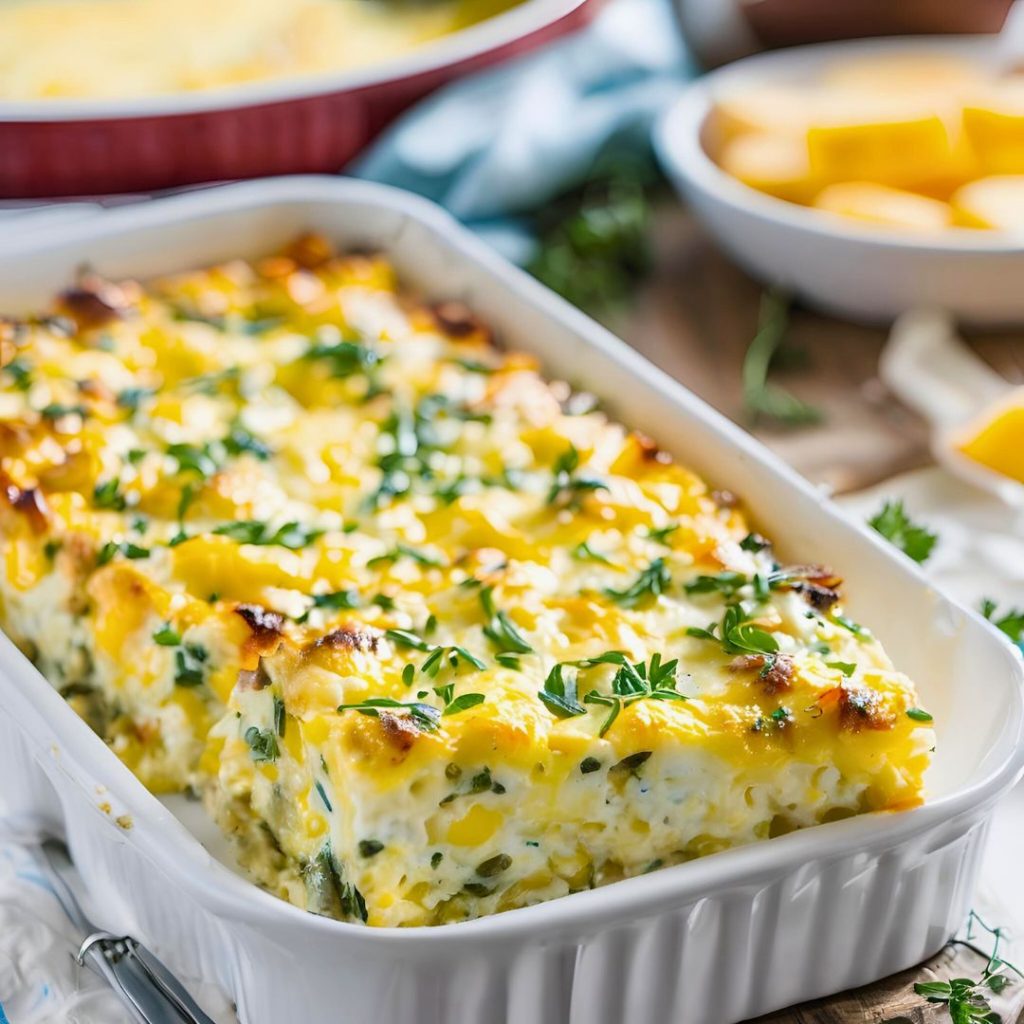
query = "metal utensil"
x=144 y=984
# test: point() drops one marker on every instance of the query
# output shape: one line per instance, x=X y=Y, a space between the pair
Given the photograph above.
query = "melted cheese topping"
x=92 y=49
x=453 y=638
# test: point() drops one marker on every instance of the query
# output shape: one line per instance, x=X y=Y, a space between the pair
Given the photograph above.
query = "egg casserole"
x=103 y=49
x=432 y=636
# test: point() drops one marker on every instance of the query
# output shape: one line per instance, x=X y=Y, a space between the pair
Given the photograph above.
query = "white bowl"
x=857 y=271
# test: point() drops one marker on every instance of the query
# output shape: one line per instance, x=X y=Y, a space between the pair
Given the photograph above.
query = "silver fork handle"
x=144 y=984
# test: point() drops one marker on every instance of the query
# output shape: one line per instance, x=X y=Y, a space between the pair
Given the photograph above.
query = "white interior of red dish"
x=968 y=677
x=528 y=17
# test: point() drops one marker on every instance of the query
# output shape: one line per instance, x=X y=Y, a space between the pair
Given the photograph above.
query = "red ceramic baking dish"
x=317 y=123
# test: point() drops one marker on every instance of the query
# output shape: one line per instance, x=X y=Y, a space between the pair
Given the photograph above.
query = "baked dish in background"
x=433 y=637
x=98 y=49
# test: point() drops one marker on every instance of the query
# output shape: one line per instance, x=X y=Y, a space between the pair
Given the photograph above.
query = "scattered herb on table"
x=893 y=523
x=1011 y=622
x=761 y=398
x=966 y=999
x=594 y=245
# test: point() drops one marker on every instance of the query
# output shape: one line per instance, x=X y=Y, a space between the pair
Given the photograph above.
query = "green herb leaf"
x=918 y=715
x=652 y=581
x=584 y=552
x=761 y=398
x=893 y=523
x=189 y=665
x=108 y=495
x=463 y=703
x=262 y=744
x=1011 y=623
x=167 y=636
x=567 y=487
x=500 y=629
x=424 y=716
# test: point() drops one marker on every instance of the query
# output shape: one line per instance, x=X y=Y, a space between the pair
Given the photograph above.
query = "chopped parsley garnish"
x=405 y=551
x=919 y=715
x=725 y=583
x=440 y=656
x=370 y=847
x=462 y=703
x=189 y=665
x=167 y=636
x=424 y=716
x=500 y=629
x=754 y=543
x=19 y=374
x=854 y=627
x=280 y=718
x=345 y=358
x=559 y=693
x=738 y=635
x=203 y=461
x=652 y=581
x=584 y=552
x=1011 y=623
x=893 y=523
x=108 y=495
x=125 y=548
x=262 y=744
x=632 y=681
x=55 y=411
x=323 y=796
x=567 y=486
x=846 y=667
x=336 y=600
x=662 y=533
x=240 y=441
x=132 y=398
x=252 y=531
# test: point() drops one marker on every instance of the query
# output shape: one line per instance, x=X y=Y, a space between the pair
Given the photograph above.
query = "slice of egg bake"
x=433 y=636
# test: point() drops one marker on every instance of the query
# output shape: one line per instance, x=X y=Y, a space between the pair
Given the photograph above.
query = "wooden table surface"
x=695 y=316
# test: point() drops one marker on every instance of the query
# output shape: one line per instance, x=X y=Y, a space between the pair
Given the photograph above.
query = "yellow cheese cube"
x=996 y=203
x=880 y=204
x=769 y=109
x=776 y=164
x=994 y=127
x=902 y=150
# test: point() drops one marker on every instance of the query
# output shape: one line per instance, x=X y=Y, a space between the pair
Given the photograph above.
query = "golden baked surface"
x=101 y=49
x=434 y=636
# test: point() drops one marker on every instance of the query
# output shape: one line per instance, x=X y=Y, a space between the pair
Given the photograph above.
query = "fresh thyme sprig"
x=965 y=998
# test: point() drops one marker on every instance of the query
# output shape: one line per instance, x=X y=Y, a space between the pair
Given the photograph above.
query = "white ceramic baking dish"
x=716 y=940
x=855 y=270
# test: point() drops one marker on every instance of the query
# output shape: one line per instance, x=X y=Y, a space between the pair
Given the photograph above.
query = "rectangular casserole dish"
x=718 y=939
x=302 y=124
